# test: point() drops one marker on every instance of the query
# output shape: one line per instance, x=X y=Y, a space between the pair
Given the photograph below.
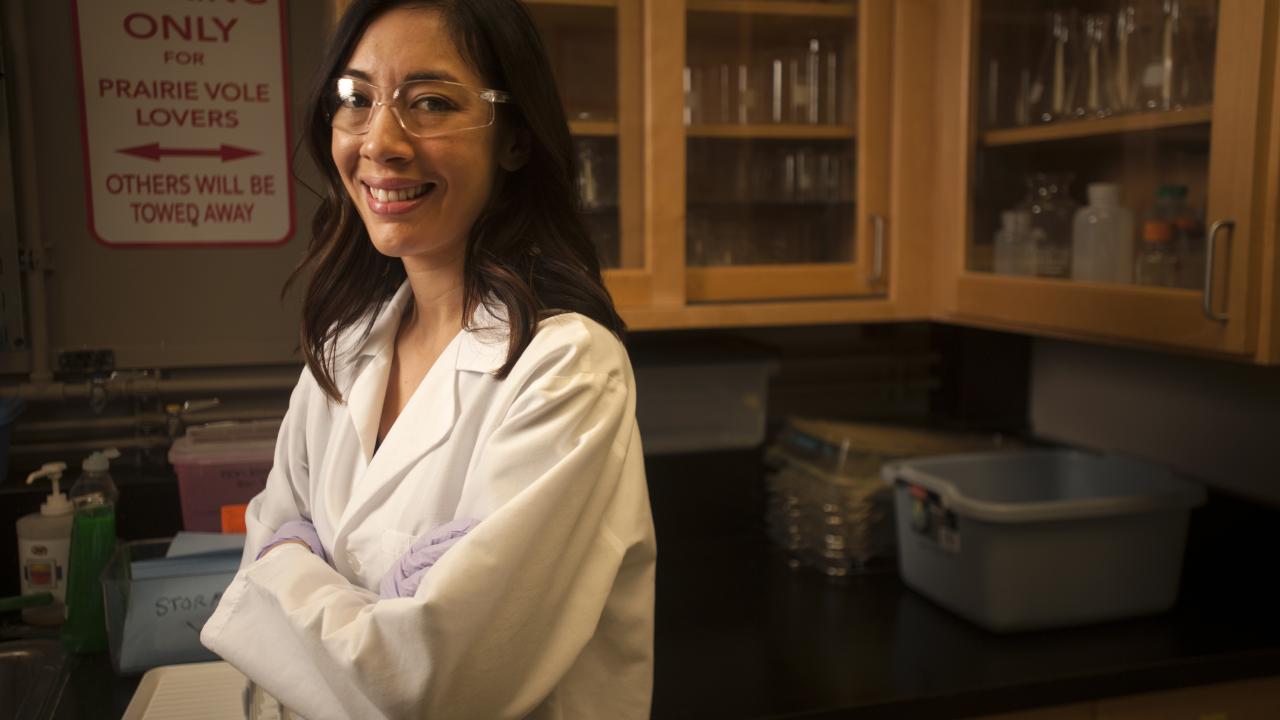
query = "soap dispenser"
x=44 y=543
x=93 y=540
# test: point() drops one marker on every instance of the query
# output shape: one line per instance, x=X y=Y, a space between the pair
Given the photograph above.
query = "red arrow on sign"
x=153 y=151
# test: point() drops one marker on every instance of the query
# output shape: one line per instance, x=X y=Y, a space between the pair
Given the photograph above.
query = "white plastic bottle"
x=1015 y=250
x=1102 y=238
x=44 y=543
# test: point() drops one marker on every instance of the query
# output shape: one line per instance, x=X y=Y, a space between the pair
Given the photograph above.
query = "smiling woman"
x=457 y=523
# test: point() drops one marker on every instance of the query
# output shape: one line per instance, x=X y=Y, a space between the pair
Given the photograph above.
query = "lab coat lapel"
x=429 y=416
x=424 y=423
x=370 y=366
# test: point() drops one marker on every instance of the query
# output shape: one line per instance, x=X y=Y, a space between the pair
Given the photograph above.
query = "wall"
x=1215 y=420
x=155 y=307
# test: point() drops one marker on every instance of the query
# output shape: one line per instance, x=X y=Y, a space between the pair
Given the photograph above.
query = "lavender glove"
x=297 y=530
x=403 y=578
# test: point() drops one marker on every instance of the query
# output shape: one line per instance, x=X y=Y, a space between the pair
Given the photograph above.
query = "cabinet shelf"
x=593 y=128
x=574 y=3
x=1071 y=129
x=779 y=205
x=754 y=282
x=773 y=131
x=773 y=7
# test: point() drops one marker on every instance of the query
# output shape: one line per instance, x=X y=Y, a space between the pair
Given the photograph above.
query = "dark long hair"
x=528 y=251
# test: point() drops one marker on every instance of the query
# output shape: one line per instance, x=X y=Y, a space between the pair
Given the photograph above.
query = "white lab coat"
x=545 y=610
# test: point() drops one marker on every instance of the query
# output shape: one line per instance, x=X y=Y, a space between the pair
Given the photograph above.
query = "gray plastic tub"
x=1041 y=538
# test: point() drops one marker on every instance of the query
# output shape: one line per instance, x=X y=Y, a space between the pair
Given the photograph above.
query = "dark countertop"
x=740 y=634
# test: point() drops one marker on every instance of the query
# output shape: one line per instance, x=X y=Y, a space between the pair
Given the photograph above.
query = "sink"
x=32 y=673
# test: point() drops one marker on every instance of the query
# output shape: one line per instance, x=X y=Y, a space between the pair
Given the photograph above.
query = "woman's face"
x=433 y=189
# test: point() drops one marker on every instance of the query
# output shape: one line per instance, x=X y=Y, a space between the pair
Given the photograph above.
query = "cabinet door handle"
x=877 y=249
x=1210 y=252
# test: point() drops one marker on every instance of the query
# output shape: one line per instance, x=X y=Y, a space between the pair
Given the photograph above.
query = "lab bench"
x=742 y=634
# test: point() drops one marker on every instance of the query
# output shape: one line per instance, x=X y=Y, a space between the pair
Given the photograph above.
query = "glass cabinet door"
x=1108 y=180
x=785 y=193
x=595 y=54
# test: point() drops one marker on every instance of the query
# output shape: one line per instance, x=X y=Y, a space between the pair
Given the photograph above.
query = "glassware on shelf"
x=1015 y=244
x=1102 y=238
x=597 y=173
x=1130 y=51
x=813 y=82
x=588 y=187
x=722 y=108
x=1174 y=75
x=1157 y=264
x=1094 y=93
x=1188 y=242
x=604 y=234
x=744 y=95
x=1052 y=212
x=1053 y=83
x=831 y=86
x=693 y=99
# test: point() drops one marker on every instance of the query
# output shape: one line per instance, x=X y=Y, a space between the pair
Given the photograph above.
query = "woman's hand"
x=403 y=578
x=300 y=532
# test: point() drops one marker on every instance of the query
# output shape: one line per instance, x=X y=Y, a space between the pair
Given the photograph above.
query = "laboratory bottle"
x=44 y=544
x=1015 y=251
x=1188 y=243
x=1156 y=264
x=1102 y=238
x=1052 y=212
x=93 y=540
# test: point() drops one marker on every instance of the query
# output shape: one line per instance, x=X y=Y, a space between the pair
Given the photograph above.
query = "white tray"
x=197 y=691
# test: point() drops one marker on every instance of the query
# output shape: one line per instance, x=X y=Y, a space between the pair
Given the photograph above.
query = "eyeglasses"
x=424 y=108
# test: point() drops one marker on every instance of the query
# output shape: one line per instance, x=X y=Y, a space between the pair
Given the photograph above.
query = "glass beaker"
x=1056 y=74
x=1129 y=56
x=1052 y=212
x=1094 y=93
x=1175 y=75
x=588 y=176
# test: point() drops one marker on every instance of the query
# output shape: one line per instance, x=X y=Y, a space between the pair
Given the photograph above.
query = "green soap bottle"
x=93 y=540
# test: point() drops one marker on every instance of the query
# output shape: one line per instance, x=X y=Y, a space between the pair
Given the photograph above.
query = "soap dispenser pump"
x=93 y=540
x=44 y=544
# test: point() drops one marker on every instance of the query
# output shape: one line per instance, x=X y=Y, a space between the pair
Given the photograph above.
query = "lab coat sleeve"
x=500 y=619
x=285 y=496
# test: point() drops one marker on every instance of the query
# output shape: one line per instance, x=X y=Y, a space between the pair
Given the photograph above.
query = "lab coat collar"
x=484 y=341
x=425 y=421
x=483 y=347
x=383 y=332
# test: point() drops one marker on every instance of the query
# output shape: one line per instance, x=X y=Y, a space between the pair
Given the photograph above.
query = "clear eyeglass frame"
x=489 y=96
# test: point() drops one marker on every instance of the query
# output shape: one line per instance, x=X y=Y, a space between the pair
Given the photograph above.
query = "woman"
x=457 y=523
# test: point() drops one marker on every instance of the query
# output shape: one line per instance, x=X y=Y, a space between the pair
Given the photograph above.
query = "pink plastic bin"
x=221 y=464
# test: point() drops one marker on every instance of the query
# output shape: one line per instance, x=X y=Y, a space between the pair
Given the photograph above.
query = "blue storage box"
x=156 y=605
x=1041 y=538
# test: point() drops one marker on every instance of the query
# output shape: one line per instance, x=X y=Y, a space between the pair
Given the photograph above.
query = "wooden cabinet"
x=734 y=157
x=1243 y=700
x=1083 y=711
x=597 y=54
x=786 y=123
x=1248 y=700
x=1189 y=130
x=777 y=162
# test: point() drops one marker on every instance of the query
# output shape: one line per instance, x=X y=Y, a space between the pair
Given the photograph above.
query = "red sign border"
x=288 y=141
